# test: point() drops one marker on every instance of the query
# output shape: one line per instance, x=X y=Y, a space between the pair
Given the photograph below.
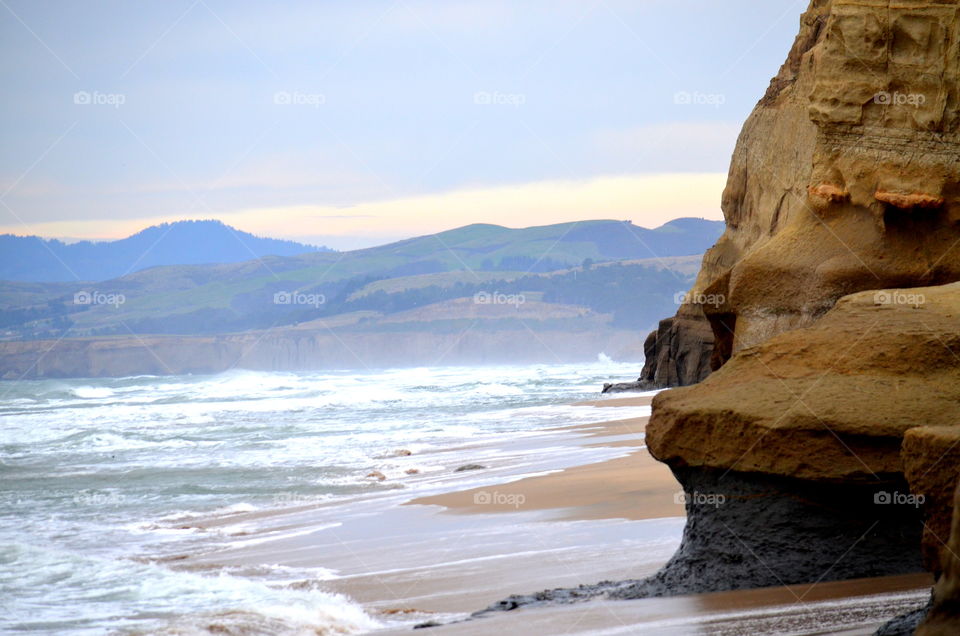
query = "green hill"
x=573 y=263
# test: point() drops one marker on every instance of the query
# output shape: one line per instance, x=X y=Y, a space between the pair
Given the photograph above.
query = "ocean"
x=101 y=480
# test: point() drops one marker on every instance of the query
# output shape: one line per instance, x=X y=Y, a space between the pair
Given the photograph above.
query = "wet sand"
x=632 y=487
x=638 y=400
x=855 y=607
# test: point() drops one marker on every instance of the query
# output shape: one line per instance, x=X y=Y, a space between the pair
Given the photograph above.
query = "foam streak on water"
x=95 y=474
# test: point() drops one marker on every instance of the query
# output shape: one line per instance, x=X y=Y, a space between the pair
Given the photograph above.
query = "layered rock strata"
x=846 y=177
x=826 y=453
x=830 y=424
x=862 y=407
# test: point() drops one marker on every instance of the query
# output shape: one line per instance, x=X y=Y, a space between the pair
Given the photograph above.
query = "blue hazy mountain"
x=34 y=259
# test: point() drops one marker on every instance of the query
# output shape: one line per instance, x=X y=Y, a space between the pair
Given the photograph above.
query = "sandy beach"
x=632 y=487
x=571 y=505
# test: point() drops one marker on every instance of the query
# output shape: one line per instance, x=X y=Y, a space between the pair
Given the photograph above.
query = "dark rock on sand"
x=469 y=467
x=624 y=387
x=905 y=625
x=678 y=352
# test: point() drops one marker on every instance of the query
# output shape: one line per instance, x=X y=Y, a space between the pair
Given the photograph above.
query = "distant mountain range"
x=31 y=258
x=572 y=276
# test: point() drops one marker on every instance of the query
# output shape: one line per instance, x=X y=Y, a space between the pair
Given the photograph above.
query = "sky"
x=357 y=122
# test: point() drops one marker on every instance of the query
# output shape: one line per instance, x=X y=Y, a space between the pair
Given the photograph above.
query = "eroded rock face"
x=830 y=424
x=832 y=401
x=856 y=417
x=678 y=352
x=931 y=464
x=846 y=177
x=746 y=530
x=944 y=616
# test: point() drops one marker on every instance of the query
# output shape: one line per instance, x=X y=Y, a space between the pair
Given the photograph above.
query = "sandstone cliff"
x=830 y=426
x=829 y=404
x=847 y=425
x=844 y=178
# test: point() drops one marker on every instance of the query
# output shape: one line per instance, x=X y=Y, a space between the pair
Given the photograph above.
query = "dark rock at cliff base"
x=557 y=596
x=748 y=530
x=905 y=625
x=943 y=619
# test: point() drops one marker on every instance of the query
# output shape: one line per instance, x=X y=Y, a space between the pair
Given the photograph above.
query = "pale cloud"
x=648 y=200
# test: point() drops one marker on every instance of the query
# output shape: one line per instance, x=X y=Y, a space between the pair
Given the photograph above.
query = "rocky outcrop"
x=829 y=402
x=825 y=444
x=678 y=352
x=844 y=178
x=849 y=417
x=826 y=453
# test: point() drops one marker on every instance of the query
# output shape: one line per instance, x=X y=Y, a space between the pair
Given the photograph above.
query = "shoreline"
x=633 y=487
x=596 y=507
x=408 y=561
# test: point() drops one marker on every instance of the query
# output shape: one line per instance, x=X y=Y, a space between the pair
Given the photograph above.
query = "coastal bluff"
x=844 y=178
x=834 y=447
x=830 y=418
x=816 y=430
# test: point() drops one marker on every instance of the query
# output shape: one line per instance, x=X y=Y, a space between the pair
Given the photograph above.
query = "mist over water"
x=99 y=479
